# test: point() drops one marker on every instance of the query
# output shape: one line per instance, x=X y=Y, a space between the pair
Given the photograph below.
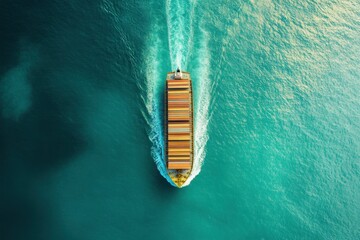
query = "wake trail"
x=180 y=16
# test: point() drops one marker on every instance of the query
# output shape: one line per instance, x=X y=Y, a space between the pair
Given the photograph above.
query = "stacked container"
x=179 y=124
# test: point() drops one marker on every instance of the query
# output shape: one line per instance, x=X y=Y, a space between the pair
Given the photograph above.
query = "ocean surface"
x=277 y=119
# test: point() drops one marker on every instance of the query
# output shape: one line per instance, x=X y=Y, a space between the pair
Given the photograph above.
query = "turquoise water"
x=277 y=119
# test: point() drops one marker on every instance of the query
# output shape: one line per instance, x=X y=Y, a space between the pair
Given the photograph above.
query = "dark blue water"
x=277 y=113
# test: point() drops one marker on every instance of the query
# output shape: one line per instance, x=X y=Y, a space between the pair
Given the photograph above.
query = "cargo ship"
x=179 y=130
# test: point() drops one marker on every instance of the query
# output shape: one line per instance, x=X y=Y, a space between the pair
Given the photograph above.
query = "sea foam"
x=180 y=19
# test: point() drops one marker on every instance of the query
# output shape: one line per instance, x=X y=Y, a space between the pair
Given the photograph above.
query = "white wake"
x=190 y=55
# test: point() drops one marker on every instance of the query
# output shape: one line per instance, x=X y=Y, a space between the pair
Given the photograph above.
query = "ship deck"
x=179 y=127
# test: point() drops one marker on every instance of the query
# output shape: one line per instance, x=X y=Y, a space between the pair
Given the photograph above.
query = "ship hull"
x=179 y=130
